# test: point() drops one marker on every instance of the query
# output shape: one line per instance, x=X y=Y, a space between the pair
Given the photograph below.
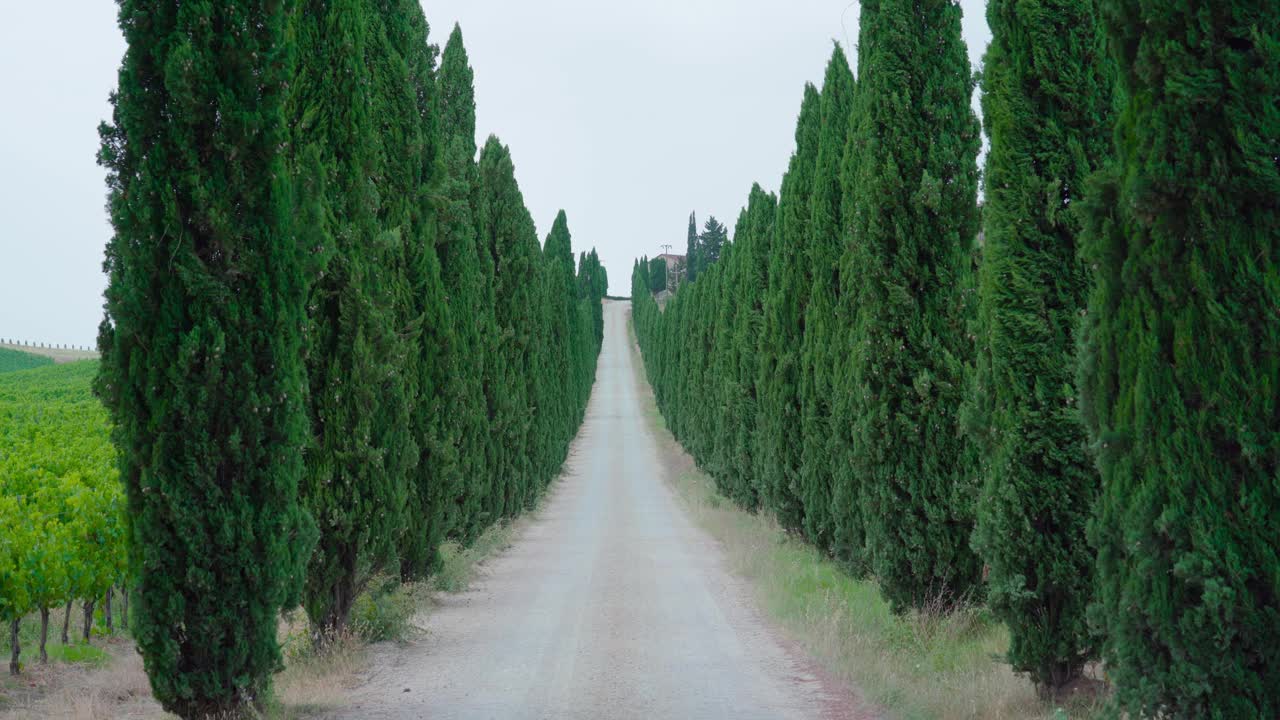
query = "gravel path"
x=610 y=604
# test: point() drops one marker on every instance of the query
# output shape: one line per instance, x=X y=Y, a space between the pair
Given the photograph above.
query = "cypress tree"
x=753 y=288
x=467 y=289
x=658 y=275
x=410 y=135
x=510 y=239
x=356 y=484
x=201 y=345
x=691 y=260
x=1045 y=101
x=913 y=228
x=723 y=387
x=1179 y=377
x=789 y=282
x=818 y=347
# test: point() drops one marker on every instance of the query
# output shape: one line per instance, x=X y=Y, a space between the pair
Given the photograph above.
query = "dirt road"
x=610 y=604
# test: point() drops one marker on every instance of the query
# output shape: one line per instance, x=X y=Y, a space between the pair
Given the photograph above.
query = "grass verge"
x=920 y=665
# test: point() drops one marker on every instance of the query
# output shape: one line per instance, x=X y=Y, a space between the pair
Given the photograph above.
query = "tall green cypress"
x=691 y=254
x=356 y=483
x=567 y=335
x=913 y=228
x=753 y=288
x=818 y=345
x=1046 y=105
x=509 y=237
x=467 y=289
x=201 y=345
x=657 y=275
x=723 y=387
x=411 y=137
x=788 y=293
x=1180 y=377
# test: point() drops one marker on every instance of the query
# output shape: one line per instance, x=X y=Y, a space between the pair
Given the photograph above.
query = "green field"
x=61 y=503
x=11 y=360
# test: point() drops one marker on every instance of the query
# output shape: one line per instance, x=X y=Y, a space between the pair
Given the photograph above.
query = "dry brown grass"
x=312 y=682
x=118 y=689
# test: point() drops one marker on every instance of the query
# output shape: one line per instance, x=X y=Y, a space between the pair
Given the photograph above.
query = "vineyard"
x=62 y=525
x=11 y=360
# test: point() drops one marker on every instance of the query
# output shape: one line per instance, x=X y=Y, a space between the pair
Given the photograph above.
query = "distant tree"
x=1046 y=103
x=914 y=224
x=202 y=366
x=1179 y=369
x=657 y=275
x=692 y=262
x=711 y=242
x=563 y=334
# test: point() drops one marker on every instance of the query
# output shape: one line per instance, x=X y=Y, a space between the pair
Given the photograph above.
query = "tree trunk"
x=333 y=623
x=66 y=623
x=14 y=668
x=124 y=607
x=44 y=635
x=106 y=612
x=88 y=618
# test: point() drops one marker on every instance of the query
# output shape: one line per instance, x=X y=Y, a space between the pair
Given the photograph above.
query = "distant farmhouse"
x=675 y=269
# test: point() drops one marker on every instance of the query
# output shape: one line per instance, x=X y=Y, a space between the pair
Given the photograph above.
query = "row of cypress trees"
x=1074 y=413
x=332 y=337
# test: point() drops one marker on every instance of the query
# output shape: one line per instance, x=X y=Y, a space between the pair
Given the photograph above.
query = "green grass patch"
x=385 y=610
x=78 y=653
x=459 y=563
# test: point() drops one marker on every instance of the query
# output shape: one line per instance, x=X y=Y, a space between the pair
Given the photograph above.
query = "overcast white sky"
x=626 y=115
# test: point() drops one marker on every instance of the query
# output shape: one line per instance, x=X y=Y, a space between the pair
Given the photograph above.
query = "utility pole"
x=674 y=275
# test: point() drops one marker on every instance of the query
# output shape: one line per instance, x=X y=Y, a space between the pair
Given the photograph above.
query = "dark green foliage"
x=317 y=301
x=202 y=346
x=738 y=283
x=549 y=326
x=914 y=223
x=657 y=275
x=820 y=346
x=779 y=432
x=509 y=238
x=358 y=470
x=691 y=250
x=467 y=277
x=1179 y=376
x=1046 y=105
x=711 y=241
x=411 y=136
x=593 y=283
x=754 y=248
